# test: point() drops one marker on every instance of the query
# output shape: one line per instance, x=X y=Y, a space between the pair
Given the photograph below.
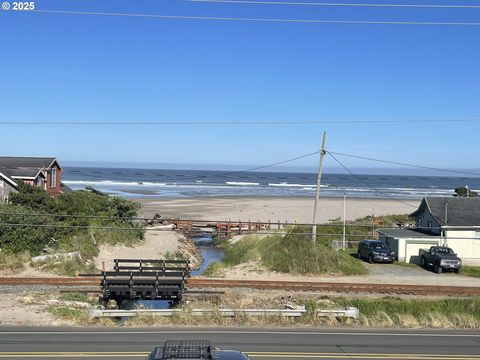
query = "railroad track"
x=273 y=285
x=338 y=287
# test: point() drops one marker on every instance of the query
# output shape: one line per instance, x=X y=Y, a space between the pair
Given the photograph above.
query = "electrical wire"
x=186 y=176
x=262 y=20
x=405 y=164
x=234 y=123
x=367 y=184
x=100 y=217
x=302 y=3
x=193 y=232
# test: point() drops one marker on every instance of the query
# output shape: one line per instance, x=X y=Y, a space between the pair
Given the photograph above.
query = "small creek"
x=210 y=254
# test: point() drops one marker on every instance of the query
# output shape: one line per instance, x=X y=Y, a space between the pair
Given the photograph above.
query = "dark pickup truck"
x=440 y=258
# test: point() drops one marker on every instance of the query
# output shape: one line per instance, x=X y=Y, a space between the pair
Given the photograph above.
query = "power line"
x=367 y=184
x=213 y=175
x=173 y=220
x=260 y=20
x=200 y=231
x=405 y=164
x=270 y=165
x=302 y=3
x=234 y=123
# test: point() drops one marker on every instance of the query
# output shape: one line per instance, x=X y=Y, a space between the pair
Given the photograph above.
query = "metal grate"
x=187 y=349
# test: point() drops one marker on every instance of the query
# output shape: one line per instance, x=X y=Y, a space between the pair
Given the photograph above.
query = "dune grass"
x=441 y=313
x=292 y=253
x=14 y=261
x=387 y=312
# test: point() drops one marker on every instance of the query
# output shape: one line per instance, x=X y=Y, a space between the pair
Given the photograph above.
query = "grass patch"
x=78 y=316
x=407 y=265
x=443 y=313
x=393 y=312
x=68 y=267
x=215 y=269
x=473 y=271
x=14 y=262
x=292 y=253
x=359 y=229
x=77 y=296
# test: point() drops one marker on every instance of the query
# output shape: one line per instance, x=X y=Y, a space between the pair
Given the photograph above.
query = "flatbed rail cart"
x=140 y=279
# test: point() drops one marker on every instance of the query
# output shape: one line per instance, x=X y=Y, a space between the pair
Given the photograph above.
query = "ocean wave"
x=285 y=184
x=112 y=183
x=239 y=183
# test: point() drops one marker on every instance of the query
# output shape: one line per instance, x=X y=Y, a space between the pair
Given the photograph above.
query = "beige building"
x=446 y=221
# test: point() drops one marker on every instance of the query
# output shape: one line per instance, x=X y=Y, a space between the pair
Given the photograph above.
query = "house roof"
x=24 y=167
x=8 y=180
x=461 y=211
x=407 y=233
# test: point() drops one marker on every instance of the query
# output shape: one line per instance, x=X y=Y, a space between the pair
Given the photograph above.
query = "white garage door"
x=411 y=253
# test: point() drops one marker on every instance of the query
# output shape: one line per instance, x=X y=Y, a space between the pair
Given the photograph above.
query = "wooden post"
x=317 y=192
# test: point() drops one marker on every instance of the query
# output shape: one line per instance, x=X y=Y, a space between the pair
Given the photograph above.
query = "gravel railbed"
x=21 y=289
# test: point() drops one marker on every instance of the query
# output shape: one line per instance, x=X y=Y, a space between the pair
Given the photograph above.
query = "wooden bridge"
x=226 y=228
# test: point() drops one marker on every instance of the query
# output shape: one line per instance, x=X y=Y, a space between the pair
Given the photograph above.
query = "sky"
x=95 y=68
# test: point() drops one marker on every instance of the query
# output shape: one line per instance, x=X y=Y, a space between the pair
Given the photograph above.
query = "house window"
x=429 y=224
x=53 y=178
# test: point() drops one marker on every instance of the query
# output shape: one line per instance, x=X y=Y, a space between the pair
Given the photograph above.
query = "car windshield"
x=379 y=246
x=446 y=251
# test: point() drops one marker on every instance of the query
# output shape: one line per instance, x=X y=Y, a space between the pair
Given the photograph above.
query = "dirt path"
x=155 y=246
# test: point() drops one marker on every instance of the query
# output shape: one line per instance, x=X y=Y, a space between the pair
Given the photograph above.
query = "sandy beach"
x=292 y=209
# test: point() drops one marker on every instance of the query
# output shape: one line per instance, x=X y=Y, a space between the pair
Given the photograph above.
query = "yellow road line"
x=258 y=354
x=372 y=354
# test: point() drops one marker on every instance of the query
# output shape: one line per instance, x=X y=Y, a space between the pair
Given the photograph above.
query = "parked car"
x=440 y=258
x=375 y=251
x=193 y=350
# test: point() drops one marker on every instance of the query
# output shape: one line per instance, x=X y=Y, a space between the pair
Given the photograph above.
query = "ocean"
x=138 y=183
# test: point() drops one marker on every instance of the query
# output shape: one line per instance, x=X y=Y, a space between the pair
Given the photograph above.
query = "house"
x=37 y=171
x=448 y=221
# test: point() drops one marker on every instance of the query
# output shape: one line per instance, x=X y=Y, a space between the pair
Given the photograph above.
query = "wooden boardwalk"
x=226 y=228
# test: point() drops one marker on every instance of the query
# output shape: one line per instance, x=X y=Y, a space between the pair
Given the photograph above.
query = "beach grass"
x=14 y=261
x=68 y=267
x=293 y=253
x=386 y=312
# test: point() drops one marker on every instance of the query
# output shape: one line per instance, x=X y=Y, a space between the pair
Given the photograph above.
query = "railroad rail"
x=330 y=287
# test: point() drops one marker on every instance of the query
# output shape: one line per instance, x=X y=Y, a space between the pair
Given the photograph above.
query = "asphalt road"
x=59 y=343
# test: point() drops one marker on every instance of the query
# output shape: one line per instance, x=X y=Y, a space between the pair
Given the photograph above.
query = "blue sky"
x=61 y=67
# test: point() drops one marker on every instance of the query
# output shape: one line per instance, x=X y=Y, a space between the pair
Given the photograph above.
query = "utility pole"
x=344 y=242
x=317 y=192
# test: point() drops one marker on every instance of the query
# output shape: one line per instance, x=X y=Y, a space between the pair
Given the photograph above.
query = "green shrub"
x=40 y=222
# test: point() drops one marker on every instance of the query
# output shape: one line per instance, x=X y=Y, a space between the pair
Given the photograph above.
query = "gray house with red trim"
x=44 y=172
